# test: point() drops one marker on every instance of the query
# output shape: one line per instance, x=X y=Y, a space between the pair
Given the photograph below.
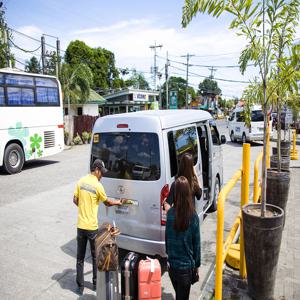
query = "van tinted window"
x=240 y=117
x=257 y=116
x=180 y=142
x=130 y=155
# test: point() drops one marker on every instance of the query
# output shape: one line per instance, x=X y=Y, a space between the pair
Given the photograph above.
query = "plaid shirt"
x=183 y=248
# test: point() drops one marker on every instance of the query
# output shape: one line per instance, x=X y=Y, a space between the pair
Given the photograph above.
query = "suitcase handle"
x=127 y=277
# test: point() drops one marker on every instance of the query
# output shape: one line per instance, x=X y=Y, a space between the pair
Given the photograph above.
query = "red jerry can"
x=149 y=277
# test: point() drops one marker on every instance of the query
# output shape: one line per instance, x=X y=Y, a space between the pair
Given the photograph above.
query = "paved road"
x=38 y=221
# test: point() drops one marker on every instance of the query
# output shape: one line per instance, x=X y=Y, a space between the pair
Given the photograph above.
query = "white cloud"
x=130 y=44
x=117 y=26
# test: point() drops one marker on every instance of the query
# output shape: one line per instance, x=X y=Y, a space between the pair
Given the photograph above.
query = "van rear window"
x=257 y=116
x=130 y=155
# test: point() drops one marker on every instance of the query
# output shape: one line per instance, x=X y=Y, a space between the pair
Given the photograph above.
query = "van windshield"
x=130 y=155
x=257 y=116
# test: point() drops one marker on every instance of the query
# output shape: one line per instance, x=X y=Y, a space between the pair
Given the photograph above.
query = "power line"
x=32 y=38
x=217 y=79
x=22 y=49
x=187 y=77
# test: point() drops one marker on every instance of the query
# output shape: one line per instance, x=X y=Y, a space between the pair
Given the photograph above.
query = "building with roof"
x=129 y=100
x=88 y=107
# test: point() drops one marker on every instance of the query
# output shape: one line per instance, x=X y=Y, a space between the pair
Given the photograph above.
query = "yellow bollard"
x=256 y=179
x=220 y=232
x=268 y=148
x=244 y=200
x=294 y=152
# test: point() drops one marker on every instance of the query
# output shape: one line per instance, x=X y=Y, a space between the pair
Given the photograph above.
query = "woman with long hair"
x=183 y=240
x=186 y=169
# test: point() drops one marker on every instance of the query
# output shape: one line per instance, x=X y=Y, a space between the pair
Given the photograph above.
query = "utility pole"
x=52 y=54
x=212 y=70
x=167 y=80
x=187 y=77
x=57 y=58
x=43 y=54
x=154 y=47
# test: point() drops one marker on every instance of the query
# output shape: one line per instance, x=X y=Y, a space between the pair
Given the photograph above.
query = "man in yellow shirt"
x=87 y=196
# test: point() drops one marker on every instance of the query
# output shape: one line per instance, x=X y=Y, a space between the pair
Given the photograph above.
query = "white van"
x=238 y=129
x=141 y=151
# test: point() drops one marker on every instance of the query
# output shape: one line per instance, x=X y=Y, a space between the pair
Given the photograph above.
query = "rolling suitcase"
x=149 y=279
x=108 y=285
x=129 y=276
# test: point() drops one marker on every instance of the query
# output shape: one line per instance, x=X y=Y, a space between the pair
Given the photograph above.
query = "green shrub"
x=85 y=136
x=77 y=140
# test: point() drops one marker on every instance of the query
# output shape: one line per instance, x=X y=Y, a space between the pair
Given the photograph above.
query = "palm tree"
x=76 y=84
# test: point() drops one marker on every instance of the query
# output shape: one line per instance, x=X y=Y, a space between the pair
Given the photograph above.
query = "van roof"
x=166 y=118
x=254 y=107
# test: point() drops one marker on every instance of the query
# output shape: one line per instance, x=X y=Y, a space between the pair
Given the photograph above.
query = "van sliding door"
x=184 y=140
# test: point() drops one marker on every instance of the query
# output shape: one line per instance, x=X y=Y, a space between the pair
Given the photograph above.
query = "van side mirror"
x=223 y=139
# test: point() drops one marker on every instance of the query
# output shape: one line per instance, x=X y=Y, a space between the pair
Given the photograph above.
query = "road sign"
x=173 y=99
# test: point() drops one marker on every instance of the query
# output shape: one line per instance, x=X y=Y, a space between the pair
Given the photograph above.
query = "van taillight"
x=122 y=126
x=163 y=195
x=250 y=128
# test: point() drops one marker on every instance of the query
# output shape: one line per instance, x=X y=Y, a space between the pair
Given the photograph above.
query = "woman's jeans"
x=82 y=237
x=181 y=281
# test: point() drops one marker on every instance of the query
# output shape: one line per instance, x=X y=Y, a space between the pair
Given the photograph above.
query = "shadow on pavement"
x=31 y=165
x=167 y=296
x=70 y=248
x=67 y=281
x=240 y=144
x=38 y=163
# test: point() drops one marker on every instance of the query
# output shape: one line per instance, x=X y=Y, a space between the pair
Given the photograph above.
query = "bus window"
x=20 y=96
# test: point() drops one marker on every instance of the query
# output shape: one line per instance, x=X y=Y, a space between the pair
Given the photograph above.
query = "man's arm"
x=110 y=202
x=75 y=200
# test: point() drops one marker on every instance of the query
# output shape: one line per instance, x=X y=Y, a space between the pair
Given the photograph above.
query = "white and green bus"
x=31 y=118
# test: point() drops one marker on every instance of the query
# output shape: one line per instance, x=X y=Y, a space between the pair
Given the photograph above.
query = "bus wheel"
x=244 y=140
x=13 y=159
x=214 y=205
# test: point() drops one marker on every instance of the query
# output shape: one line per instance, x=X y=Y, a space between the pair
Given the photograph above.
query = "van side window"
x=240 y=117
x=172 y=153
x=231 y=118
x=182 y=141
x=215 y=135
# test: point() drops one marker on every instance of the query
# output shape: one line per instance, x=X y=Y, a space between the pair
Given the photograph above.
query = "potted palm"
x=264 y=26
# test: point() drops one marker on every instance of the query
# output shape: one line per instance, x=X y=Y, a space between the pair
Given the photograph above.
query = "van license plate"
x=122 y=210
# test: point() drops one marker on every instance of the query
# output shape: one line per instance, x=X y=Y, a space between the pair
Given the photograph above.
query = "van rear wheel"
x=214 y=205
x=232 y=138
x=13 y=159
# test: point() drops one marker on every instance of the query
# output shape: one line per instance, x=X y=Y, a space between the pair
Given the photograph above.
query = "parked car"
x=150 y=145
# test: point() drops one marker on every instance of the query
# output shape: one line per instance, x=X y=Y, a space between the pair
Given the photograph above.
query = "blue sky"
x=128 y=28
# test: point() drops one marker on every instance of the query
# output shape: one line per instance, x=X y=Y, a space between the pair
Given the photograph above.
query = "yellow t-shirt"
x=89 y=192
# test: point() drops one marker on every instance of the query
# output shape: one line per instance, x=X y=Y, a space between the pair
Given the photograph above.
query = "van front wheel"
x=214 y=205
x=244 y=140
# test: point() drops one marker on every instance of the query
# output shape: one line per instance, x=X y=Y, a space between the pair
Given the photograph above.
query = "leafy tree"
x=50 y=64
x=264 y=47
x=177 y=84
x=3 y=62
x=75 y=83
x=137 y=81
x=209 y=88
x=33 y=66
x=100 y=61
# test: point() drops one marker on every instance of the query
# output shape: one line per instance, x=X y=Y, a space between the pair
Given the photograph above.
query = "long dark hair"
x=186 y=168
x=184 y=208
